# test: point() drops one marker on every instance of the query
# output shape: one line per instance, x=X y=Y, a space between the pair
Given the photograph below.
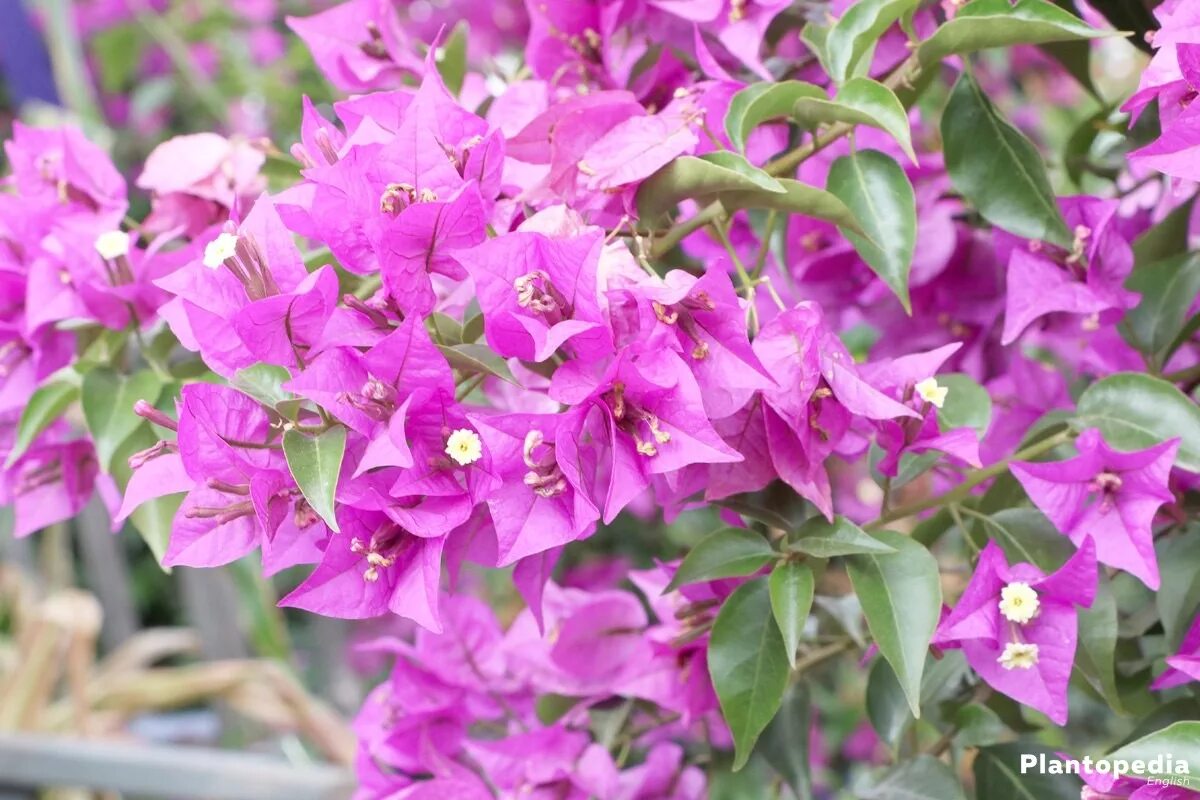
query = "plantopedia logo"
x=1161 y=770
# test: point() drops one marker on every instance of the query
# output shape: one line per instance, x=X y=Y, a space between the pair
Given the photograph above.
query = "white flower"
x=930 y=392
x=1019 y=602
x=464 y=446
x=112 y=245
x=219 y=249
x=1019 y=655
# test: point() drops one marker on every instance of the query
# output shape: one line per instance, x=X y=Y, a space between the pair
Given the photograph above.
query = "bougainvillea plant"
x=812 y=273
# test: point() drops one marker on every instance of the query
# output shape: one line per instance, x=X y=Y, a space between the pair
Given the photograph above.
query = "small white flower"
x=1019 y=602
x=930 y=392
x=112 y=245
x=464 y=446
x=219 y=249
x=1019 y=655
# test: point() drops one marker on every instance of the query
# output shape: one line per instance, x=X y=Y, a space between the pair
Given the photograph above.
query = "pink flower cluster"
x=467 y=707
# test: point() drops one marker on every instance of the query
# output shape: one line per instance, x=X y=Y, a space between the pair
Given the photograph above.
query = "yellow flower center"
x=1019 y=655
x=219 y=249
x=464 y=446
x=112 y=245
x=1019 y=603
x=929 y=391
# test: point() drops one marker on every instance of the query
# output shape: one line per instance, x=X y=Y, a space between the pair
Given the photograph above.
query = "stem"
x=821 y=655
x=760 y=260
x=743 y=276
x=973 y=479
x=1184 y=375
x=181 y=58
x=66 y=60
x=469 y=385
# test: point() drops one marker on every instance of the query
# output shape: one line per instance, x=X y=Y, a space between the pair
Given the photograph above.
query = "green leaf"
x=45 y=405
x=901 y=596
x=998 y=775
x=791 y=587
x=748 y=665
x=107 y=399
x=727 y=553
x=855 y=34
x=445 y=329
x=709 y=175
x=967 y=404
x=152 y=520
x=784 y=744
x=922 y=778
x=472 y=329
x=264 y=382
x=550 y=708
x=1096 y=655
x=861 y=101
x=1181 y=741
x=1179 y=596
x=997 y=169
x=796 y=198
x=1024 y=534
x=887 y=707
x=761 y=102
x=1167 y=239
x=452 y=58
x=875 y=188
x=315 y=462
x=823 y=539
x=1168 y=289
x=1135 y=411
x=984 y=24
x=478 y=359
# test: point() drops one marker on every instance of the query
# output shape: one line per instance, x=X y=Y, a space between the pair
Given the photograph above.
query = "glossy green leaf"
x=874 y=187
x=1025 y=535
x=997 y=169
x=1181 y=741
x=1168 y=238
x=264 y=382
x=921 y=778
x=1178 y=598
x=107 y=398
x=153 y=519
x=887 y=707
x=854 y=35
x=823 y=539
x=727 y=553
x=1096 y=652
x=761 y=102
x=1168 y=290
x=796 y=198
x=901 y=597
x=998 y=775
x=984 y=24
x=748 y=665
x=791 y=587
x=444 y=328
x=705 y=176
x=1135 y=411
x=477 y=359
x=861 y=101
x=452 y=58
x=967 y=404
x=785 y=743
x=315 y=462
x=46 y=404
